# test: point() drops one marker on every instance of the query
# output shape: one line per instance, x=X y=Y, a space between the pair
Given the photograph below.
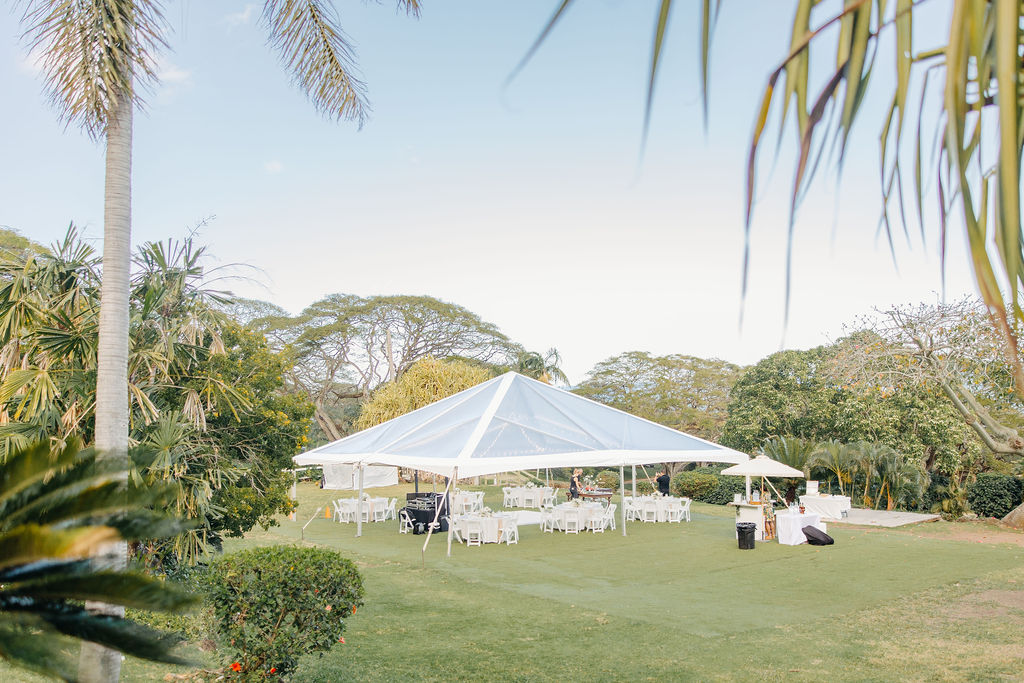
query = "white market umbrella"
x=763 y=466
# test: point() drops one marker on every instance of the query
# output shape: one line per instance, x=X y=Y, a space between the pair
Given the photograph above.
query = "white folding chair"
x=390 y=512
x=597 y=522
x=649 y=511
x=686 y=509
x=630 y=505
x=547 y=519
x=510 y=530
x=508 y=499
x=571 y=521
x=404 y=522
x=341 y=512
x=478 y=501
x=674 y=512
x=474 y=532
x=363 y=508
x=609 y=515
x=454 y=528
x=380 y=512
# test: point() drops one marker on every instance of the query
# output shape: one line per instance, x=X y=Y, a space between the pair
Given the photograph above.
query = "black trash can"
x=745 y=535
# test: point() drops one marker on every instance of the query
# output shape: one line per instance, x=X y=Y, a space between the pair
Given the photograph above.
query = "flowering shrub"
x=275 y=604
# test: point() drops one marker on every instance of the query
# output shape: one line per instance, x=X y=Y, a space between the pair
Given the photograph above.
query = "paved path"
x=889 y=518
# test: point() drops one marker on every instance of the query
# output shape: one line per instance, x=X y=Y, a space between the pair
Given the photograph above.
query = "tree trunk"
x=97 y=663
x=326 y=423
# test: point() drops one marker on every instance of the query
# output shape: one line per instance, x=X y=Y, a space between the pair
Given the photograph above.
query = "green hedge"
x=607 y=479
x=994 y=495
x=277 y=603
x=706 y=485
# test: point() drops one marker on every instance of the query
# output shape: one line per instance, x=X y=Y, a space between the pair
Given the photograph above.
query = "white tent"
x=515 y=423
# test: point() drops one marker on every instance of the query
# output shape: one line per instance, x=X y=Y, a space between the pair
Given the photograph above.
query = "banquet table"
x=661 y=503
x=587 y=511
x=370 y=505
x=529 y=496
x=829 y=507
x=789 y=526
x=490 y=526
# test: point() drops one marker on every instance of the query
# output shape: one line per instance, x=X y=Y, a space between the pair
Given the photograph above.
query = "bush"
x=994 y=495
x=706 y=485
x=607 y=479
x=694 y=484
x=275 y=604
x=643 y=487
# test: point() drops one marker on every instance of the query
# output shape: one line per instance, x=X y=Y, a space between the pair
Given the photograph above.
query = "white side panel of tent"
x=345 y=477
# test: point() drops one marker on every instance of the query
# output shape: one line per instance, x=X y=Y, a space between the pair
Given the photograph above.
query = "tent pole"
x=748 y=488
x=416 y=481
x=634 y=481
x=359 y=504
x=437 y=513
x=455 y=476
x=622 y=493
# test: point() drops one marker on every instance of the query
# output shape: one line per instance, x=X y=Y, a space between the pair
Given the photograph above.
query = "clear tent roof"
x=515 y=423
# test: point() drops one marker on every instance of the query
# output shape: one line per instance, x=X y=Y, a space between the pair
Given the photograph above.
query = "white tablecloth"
x=586 y=511
x=829 y=507
x=661 y=505
x=529 y=496
x=490 y=526
x=789 y=526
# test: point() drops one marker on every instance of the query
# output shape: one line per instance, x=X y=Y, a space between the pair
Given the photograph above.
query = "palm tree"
x=835 y=458
x=96 y=54
x=57 y=505
x=866 y=456
x=792 y=451
x=901 y=480
x=541 y=367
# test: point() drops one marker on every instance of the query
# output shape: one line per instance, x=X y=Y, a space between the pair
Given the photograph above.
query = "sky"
x=527 y=202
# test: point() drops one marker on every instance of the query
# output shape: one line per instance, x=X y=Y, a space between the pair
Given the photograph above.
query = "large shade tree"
x=345 y=346
x=683 y=392
x=97 y=59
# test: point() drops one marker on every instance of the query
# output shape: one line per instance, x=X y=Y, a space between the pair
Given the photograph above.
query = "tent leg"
x=748 y=488
x=634 y=481
x=416 y=481
x=437 y=513
x=622 y=494
x=359 y=504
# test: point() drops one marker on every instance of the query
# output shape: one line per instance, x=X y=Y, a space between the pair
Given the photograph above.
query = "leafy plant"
x=994 y=495
x=607 y=479
x=59 y=506
x=694 y=484
x=275 y=604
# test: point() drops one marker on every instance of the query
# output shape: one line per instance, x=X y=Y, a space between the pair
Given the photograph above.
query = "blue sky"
x=527 y=204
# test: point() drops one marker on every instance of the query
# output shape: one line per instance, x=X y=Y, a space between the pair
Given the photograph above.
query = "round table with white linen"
x=789 y=526
x=829 y=507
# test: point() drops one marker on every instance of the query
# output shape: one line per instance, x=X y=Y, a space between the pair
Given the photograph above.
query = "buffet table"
x=790 y=524
x=750 y=512
x=829 y=507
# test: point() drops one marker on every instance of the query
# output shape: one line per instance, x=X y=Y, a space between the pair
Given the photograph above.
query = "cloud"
x=32 y=63
x=170 y=74
x=241 y=18
x=273 y=167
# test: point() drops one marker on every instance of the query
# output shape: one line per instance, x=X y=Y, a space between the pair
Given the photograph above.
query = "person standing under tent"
x=663 y=480
x=574 y=484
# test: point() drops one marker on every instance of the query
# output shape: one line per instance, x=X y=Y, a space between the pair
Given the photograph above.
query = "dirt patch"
x=1011 y=599
x=970 y=533
x=990 y=604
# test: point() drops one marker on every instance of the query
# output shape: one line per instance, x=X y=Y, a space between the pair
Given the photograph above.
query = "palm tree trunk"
x=97 y=663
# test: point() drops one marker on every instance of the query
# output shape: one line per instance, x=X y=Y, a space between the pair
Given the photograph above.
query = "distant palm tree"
x=792 y=451
x=836 y=459
x=95 y=55
x=541 y=367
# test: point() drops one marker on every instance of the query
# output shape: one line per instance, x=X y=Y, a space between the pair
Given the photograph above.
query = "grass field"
x=671 y=602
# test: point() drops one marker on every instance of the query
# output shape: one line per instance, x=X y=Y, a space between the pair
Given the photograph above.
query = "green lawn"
x=677 y=602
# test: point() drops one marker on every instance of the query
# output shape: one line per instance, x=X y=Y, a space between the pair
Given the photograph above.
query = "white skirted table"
x=490 y=525
x=829 y=507
x=530 y=496
x=790 y=524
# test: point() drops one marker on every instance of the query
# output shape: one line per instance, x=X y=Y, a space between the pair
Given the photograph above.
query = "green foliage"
x=683 y=392
x=428 y=380
x=994 y=495
x=607 y=479
x=275 y=604
x=694 y=484
x=57 y=507
x=544 y=368
x=644 y=487
x=792 y=393
x=707 y=485
x=244 y=505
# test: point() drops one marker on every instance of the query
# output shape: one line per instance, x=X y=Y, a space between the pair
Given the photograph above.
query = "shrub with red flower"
x=277 y=603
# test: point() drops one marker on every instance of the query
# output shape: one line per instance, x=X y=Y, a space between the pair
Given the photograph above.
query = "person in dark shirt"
x=663 y=480
x=574 y=484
